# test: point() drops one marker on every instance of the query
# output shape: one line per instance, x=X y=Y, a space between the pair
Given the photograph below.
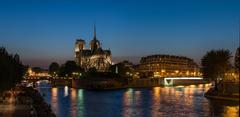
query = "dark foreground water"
x=179 y=101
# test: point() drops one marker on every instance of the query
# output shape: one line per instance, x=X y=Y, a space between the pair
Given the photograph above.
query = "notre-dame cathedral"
x=95 y=57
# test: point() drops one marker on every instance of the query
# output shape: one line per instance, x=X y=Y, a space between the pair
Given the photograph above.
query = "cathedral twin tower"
x=95 y=57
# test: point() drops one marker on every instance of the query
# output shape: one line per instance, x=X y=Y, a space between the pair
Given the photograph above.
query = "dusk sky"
x=44 y=31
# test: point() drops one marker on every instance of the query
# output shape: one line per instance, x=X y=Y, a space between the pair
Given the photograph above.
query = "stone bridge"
x=55 y=81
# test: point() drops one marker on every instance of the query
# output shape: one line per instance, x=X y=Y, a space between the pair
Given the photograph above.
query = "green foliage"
x=215 y=64
x=11 y=70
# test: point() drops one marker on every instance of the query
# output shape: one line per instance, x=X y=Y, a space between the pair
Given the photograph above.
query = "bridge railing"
x=46 y=78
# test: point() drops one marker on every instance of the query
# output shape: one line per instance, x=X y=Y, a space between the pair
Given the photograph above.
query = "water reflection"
x=81 y=108
x=231 y=111
x=156 y=106
x=153 y=102
x=54 y=99
x=73 y=103
x=224 y=108
x=65 y=91
x=128 y=102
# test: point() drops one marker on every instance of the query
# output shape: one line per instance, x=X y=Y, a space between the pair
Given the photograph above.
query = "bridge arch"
x=169 y=81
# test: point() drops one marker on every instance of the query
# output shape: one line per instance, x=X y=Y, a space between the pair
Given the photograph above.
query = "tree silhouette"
x=68 y=68
x=237 y=59
x=11 y=70
x=215 y=64
x=54 y=68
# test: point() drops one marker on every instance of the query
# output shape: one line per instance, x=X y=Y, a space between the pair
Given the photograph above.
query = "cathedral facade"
x=94 y=57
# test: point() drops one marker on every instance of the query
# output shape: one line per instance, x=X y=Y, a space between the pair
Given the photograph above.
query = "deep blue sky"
x=42 y=31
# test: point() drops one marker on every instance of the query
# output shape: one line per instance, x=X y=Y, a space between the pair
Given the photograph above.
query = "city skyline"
x=44 y=32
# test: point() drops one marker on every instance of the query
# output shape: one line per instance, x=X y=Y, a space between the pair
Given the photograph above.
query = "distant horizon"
x=117 y=59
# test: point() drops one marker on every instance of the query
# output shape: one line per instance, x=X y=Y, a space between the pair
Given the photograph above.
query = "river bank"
x=224 y=91
x=114 y=83
x=24 y=102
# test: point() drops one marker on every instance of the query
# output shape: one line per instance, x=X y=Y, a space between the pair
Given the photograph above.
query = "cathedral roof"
x=99 y=51
x=86 y=52
x=108 y=52
x=95 y=47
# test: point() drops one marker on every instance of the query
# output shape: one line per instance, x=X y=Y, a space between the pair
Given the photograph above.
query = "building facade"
x=167 y=66
x=95 y=57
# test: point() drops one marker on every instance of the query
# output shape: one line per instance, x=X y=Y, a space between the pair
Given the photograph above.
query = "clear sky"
x=43 y=31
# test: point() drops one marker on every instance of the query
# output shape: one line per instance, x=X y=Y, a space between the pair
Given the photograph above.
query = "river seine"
x=178 y=101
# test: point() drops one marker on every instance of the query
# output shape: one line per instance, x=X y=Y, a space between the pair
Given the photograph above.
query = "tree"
x=215 y=64
x=54 y=68
x=237 y=59
x=68 y=68
x=11 y=70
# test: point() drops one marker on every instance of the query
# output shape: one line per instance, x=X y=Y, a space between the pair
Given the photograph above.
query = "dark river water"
x=178 y=101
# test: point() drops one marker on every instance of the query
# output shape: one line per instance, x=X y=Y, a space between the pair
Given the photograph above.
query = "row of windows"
x=167 y=66
x=177 y=62
x=166 y=59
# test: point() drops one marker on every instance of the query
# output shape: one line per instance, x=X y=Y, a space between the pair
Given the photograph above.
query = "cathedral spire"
x=95 y=33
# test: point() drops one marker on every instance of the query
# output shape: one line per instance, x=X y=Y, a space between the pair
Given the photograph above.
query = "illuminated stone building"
x=167 y=66
x=95 y=57
x=32 y=72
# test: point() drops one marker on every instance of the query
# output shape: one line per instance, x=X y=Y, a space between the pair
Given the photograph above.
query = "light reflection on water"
x=181 y=101
x=65 y=91
x=54 y=99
